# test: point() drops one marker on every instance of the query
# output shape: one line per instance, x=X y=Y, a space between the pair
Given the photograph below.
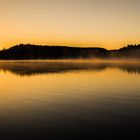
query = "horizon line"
x=5 y=48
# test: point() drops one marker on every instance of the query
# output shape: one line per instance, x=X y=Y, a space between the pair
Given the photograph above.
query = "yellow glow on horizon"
x=109 y=46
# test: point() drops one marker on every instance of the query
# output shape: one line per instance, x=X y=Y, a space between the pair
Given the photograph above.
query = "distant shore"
x=38 y=52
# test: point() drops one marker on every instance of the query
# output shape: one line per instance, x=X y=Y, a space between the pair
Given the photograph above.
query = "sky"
x=110 y=24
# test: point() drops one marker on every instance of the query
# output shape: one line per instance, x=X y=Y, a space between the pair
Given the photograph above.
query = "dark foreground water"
x=69 y=100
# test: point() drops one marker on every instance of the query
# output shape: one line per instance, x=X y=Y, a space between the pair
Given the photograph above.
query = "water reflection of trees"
x=33 y=68
x=131 y=68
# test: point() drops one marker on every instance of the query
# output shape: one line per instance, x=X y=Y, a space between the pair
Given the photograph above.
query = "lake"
x=69 y=99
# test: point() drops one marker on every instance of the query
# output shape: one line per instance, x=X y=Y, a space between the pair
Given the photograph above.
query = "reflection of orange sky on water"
x=26 y=93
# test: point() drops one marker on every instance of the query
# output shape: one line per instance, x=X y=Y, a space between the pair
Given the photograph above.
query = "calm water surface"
x=69 y=99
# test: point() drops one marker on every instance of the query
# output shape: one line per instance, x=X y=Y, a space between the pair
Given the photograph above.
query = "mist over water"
x=33 y=67
x=69 y=99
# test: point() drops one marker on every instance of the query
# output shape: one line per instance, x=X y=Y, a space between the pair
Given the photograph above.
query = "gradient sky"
x=104 y=23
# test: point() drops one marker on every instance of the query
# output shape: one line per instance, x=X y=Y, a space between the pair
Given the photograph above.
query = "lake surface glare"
x=69 y=100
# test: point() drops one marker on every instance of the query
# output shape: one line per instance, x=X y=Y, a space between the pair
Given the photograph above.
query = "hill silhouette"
x=28 y=51
x=131 y=51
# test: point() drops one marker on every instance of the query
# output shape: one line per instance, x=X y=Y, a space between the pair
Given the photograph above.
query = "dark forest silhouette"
x=28 y=51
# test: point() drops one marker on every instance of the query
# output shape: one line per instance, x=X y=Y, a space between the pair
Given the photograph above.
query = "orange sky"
x=104 y=23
